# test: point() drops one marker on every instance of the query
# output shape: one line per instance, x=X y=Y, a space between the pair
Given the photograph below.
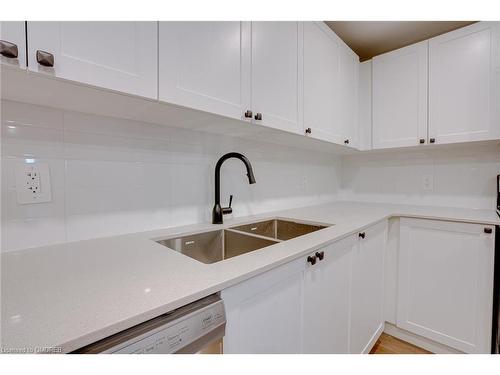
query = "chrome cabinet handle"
x=45 y=58
x=488 y=230
x=8 y=49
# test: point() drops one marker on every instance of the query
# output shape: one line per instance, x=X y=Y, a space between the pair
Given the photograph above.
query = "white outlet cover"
x=428 y=182
x=33 y=183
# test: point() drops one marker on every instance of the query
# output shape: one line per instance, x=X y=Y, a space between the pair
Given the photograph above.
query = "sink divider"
x=253 y=235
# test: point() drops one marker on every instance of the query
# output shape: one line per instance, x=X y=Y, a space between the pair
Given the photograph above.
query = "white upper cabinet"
x=464 y=82
x=120 y=56
x=348 y=95
x=330 y=85
x=13 y=40
x=321 y=80
x=326 y=300
x=277 y=74
x=206 y=66
x=367 y=289
x=445 y=287
x=400 y=97
x=365 y=106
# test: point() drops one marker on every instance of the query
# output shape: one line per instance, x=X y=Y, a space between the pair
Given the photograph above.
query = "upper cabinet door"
x=13 y=37
x=464 y=83
x=400 y=97
x=321 y=82
x=445 y=288
x=206 y=66
x=348 y=95
x=277 y=74
x=365 y=106
x=119 y=56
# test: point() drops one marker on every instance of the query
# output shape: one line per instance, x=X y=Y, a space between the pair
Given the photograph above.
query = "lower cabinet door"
x=326 y=300
x=264 y=313
x=367 y=289
x=446 y=282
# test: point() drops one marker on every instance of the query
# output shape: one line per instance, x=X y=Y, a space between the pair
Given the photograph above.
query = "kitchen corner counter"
x=69 y=295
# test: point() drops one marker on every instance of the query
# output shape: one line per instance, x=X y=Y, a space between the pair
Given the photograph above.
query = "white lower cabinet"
x=331 y=306
x=263 y=313
x=367 y=289
x=445 y=285
x=326 y=300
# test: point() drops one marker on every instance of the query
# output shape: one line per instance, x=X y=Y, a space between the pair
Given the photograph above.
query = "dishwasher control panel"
x=179 y=333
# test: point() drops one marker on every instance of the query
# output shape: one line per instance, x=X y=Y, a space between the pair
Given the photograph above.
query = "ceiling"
x=372 y=38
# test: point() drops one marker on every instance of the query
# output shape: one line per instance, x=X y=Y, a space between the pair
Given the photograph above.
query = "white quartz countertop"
x=72 y=294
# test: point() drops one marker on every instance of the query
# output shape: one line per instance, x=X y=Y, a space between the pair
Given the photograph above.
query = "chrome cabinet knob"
x=432 y=140
x=8 y=49
x=45 y=58
x=346 y=142
x=308 y=131
x=258 y=116
x=421 y=141
x=248 y=114
x=320 y=255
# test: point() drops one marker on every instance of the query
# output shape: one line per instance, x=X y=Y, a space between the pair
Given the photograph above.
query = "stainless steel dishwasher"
x=195 y=328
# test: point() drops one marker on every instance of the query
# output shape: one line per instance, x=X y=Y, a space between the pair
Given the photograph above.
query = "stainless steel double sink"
x=217 y=245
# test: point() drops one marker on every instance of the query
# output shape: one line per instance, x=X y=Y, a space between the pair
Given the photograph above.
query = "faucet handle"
x=228 y=210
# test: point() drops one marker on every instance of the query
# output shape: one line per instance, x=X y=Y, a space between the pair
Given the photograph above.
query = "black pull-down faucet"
x=218 y=211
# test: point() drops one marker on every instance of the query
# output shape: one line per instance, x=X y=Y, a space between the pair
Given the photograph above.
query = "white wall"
x=111 y=176
x=463 y=176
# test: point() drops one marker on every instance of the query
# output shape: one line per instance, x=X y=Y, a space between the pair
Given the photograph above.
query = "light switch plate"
x=33 y=183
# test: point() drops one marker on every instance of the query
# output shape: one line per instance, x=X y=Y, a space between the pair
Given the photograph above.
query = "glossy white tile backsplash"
x=463 y=176
x=111 y=176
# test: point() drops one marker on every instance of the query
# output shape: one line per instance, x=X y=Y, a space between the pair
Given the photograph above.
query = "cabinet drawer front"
x=446 y=283
x=120 y=56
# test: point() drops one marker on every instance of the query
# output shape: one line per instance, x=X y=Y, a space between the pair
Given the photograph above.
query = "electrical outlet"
x=33 y=183
x=428 y=182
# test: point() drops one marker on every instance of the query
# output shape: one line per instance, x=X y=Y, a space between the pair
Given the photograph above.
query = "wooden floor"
x=387 y=344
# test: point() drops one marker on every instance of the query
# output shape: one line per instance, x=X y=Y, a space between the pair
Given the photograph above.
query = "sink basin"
x=214 y=246
x=279 y=229
x=217 y=245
